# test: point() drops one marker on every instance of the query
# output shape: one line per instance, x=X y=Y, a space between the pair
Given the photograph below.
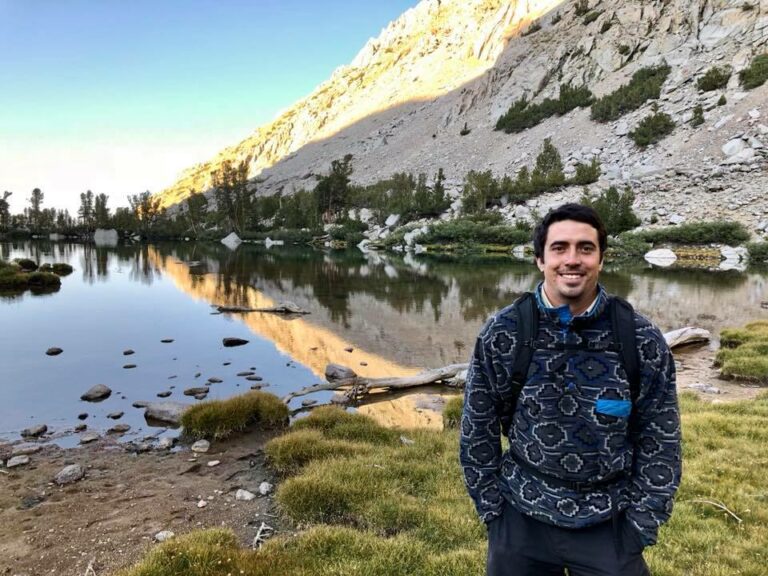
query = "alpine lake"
x=379 y=314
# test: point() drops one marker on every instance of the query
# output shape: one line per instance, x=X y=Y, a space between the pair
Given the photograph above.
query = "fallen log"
x=281 y=308
x=453 y=375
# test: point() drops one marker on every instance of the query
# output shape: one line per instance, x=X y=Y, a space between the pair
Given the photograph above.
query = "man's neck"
x=576 y=308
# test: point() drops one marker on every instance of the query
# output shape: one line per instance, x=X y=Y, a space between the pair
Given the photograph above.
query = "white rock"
x=392 y=219
x=167 y=412
x=660 y=257
x=201 y=446
x=722 y=122
x=202 y=504
x=213 y=463
x=244 y=495
x=744 y=157
x=687 y=335
x=17 y=461
x=89 y=437
x=166 y=443
x=707 y=389
x=268 y=242
x=676 y=219
x=754 y=113
x=265 y=488
x=69 y=474
x=762 y=128
x=734 y=146
x=232 y=241
x=164 y=535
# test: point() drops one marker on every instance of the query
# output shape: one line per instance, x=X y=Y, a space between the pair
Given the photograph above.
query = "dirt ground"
x=109 y=519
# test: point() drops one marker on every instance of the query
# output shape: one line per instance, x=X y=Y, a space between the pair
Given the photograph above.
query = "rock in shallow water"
x=230 y=342
x=96 y=393
x=168 y=412
x=54 y=351
x=34 y=431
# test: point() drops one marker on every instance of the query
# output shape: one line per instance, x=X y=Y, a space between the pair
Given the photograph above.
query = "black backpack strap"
x=623 y=326
x=527 y=314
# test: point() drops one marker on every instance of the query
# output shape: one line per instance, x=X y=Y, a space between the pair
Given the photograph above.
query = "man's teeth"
x=571 y=275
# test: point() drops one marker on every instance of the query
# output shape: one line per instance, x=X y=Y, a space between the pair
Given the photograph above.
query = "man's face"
x=571 y=264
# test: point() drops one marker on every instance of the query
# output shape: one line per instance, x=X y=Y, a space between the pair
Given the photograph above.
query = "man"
x=594 y=460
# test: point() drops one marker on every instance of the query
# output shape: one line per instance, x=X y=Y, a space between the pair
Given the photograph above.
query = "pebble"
x=248 y=373
x=265 y=488
x=17 y=461
x=244 y=495
x=213 y=463
x=119 y=429
x=129 y=366
x=115 y=415
x=54 y=351
x=201 y=446
x=166 y=340
x=215 y=380
x=166 y=443
x=81 y=428
x=349 y=349
x=96 y=393
x=195 y=390
x=308 y=402
x=82 y=416
x=230 y=342
x=128 y=352
x=202 y=504
x=164 y=394
x=254 y=378
x=164 y=535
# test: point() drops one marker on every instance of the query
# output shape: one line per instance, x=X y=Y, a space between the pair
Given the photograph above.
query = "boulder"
x=746 y=156
x=69 y=474
x=338 y=372
x=25 y=449
x=244 y=495
x=194 y=391
x=164 y=535
x=660 y=257
x=166 y=412
x=54 y=351
x=34 y=431
x=265 y=488
x=392 y=219
x=734 y=146
x=119 y=429
x=230 y=342
x=166 y=443
x=89 y=437
x=687 y=335
x=96 y=393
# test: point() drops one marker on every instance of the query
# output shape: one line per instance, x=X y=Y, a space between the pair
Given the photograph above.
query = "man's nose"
x=573 y=256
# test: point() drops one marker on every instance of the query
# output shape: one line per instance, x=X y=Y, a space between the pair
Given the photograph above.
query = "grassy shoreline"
x=372 y=503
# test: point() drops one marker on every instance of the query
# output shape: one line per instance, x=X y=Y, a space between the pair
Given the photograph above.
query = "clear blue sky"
x=118 y=96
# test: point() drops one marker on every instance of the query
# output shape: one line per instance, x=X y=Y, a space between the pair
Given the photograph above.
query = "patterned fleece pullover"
x=571 y=423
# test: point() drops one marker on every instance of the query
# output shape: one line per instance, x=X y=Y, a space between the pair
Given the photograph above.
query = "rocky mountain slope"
x=402 y=103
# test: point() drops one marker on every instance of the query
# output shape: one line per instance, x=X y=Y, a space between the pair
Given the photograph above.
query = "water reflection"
x=397 y=314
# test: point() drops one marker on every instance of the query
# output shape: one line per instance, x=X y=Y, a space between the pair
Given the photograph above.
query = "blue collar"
x=562 y=314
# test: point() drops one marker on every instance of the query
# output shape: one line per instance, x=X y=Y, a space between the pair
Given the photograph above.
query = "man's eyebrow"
x=567 y=242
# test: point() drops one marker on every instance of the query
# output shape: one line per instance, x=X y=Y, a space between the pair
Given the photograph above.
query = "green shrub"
x=586 y=173
x=522 y=115
x=337 y=424
x=645 y=85
x=61 y=269
x=467 y=232
x=43 y=279
x=615 y=209
x=452 y=412
x=220 y=418
x=758 y=251
x=26 y=264
x=698 y=116
x=714 y=79
x=652 y=129
x=720 y=232
x=606 y=26
x=287 y=454
x=582 y=7
x=624 y=49
x=591 y=16
x=626 y=245
x=756 y=74
x=722 y=101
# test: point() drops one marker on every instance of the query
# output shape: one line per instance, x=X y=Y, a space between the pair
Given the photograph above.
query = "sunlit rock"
x=660 y=257
x=232 y=241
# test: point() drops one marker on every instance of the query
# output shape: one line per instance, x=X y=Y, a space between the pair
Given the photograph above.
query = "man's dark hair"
x=577 y=212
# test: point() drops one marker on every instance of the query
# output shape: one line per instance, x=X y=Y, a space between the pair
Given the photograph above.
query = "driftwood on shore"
x=281 y=308
x=454 y=375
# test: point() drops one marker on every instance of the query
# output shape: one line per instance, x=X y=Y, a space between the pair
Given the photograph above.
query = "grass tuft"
x=452 y=413
x=218 y=419
x=744 y=352
x=393 y=510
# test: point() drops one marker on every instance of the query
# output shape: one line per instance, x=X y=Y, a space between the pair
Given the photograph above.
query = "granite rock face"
x=459 y=62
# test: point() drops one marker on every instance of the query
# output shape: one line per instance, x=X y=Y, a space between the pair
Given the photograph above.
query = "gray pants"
x=521 y=546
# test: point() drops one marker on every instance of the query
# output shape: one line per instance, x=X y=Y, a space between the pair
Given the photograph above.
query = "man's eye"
x=587 y=249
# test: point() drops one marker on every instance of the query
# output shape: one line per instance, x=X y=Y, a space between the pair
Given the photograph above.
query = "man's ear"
x=540 y=264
